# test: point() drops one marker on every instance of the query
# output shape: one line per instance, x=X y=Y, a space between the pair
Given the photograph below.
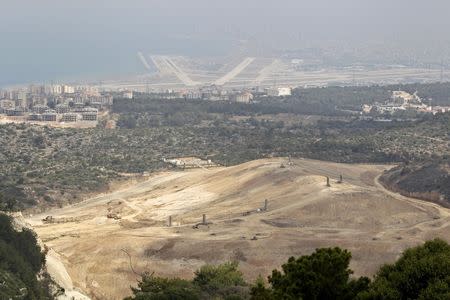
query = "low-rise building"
x=193 y=95
x=387 y=108
x=88 y=113
x=279 y=92
x=245 y=97
x=39 y=109
x=127 y=94
x=106 y=100
x=49 y=116
x=34 y=117
x=7 y=104
x=439 y=109
x=89 y=116
x=62 y=108
x=366 y=108
x=70 y=117
x=15 y=112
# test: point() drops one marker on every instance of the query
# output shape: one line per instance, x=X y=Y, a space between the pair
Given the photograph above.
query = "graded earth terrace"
x=106 y=241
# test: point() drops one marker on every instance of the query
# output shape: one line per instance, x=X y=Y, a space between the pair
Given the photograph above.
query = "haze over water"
x=50 y=40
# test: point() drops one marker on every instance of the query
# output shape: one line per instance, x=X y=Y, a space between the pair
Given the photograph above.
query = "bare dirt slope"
x=303 y=214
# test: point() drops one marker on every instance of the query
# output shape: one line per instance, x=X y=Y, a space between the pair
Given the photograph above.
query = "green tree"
x=210 y=282
x=422 y=272
x=259 y=291
x=223 y=281
x=226 y=274
x=21 y=260
x=322 y=275
x=159 y=288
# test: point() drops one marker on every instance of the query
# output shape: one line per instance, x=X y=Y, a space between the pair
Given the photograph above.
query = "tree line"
x=422 y=272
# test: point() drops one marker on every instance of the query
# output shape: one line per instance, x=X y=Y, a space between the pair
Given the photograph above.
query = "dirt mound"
x=302 y=213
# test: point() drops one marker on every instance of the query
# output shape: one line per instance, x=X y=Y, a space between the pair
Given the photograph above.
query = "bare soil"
x=359 y=214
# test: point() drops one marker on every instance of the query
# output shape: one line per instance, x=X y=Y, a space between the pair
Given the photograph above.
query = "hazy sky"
x=41 y=40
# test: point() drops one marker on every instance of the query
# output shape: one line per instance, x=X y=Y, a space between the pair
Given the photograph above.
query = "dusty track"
x=358 y=214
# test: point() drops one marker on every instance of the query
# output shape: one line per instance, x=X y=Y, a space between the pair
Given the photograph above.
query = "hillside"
x=425 y=180
x=358 y=214
x=47 y=167
x=22 y=263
